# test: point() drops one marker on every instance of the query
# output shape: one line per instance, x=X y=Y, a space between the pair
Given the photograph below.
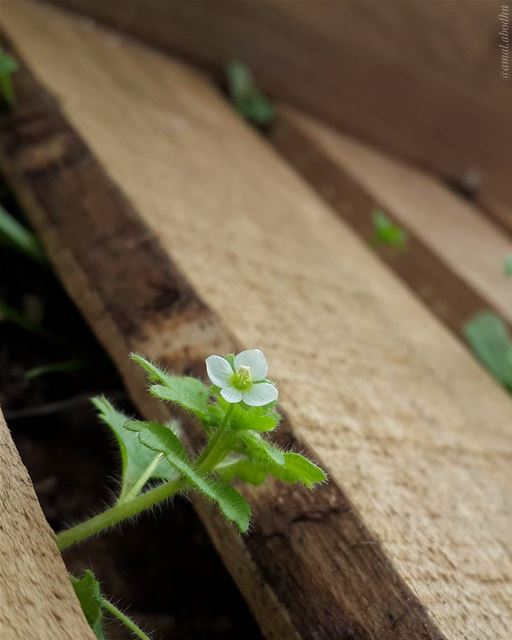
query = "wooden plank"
x=455 y=255
x=36 y=597
x=420 y=79
x=179 y=232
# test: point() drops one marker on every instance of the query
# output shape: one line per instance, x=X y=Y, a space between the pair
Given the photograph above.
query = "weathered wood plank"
x=421 y=79
x=180 y=232
x=455 y=255
x=36 y=597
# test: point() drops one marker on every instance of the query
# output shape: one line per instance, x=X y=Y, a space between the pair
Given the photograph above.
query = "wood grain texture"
x=410 y=539
x=421 y=79
x=36 y=598
x=455 y=256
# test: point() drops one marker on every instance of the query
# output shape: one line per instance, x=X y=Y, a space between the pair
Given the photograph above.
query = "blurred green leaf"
x=250 y=102
x=387 y=232
x=8 y=65
x=507 y=267
x=491 y=342
x=20 y=238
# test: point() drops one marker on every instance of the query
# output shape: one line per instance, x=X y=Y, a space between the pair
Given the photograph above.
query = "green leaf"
x=88 y=592
x=250 y=471
x=257 y=448
x=253 y=418
x=189 y=393
x=64 y=366
x=249 y=101
x=8 y=65
x=135 y=458
x=387 y=232
x=20 y=238
x=507 y=267
x=296 y=468
x=160 y=439
x=491 y=342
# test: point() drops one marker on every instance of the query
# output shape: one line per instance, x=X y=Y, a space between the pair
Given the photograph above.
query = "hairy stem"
x=144 y=477
x=129 y=506
x=128 y=623
x=217 y=448
x=118 y=512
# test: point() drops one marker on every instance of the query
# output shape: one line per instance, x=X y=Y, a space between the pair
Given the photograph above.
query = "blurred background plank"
x=420 y=79
x=179 y=231
x=454 y=258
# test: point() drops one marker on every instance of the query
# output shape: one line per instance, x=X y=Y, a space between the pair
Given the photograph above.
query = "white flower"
x=245 y=380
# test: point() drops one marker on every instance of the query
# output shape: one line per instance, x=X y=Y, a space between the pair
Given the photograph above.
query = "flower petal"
x=230 y=394
x=260 y=394
x=219 y=371
x=255 y=360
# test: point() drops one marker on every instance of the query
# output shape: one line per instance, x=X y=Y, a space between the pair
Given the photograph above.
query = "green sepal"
x=490 y=340
x=135 y=459
x=88 y=592
x=387 y=232
x=158 y=438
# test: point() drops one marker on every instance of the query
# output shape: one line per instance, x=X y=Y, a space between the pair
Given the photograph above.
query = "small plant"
x=387 y=232
x=236 y=412
x=250 y=102
x=8 y=65
x=491 y=342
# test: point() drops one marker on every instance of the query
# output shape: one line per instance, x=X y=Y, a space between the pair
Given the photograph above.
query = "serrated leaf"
x=189 y=393
x=154 y=373
x=387 y=232
x=296 y=468
x=249 y=471
x=231 y=503
x=491 y=342
x=257 y=448
x=253 y=418
x=135 y=458
x=88 y=592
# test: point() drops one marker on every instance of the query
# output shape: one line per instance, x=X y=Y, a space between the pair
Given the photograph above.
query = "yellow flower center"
x=242 y=379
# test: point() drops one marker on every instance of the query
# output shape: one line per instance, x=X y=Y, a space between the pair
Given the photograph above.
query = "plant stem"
x=215 y=450
x=129 y=506
x=117 y=513
x=144 y=477
x=130 y=624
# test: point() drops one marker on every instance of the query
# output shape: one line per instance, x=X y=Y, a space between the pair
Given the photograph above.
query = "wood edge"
x=43 y=157
x=58 y=595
